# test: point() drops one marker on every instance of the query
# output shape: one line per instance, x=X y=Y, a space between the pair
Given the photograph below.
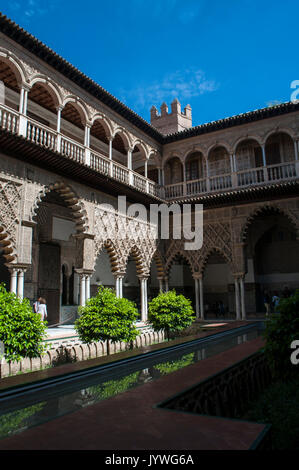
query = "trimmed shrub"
x=281 y=330
x=106 y=317
x=170 y=312
x=21 y=330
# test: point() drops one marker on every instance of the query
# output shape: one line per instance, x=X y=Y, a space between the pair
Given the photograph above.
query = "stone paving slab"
x=131 y=421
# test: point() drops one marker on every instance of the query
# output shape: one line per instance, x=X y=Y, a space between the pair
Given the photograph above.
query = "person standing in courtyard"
x=42 y=308
x=267 y=302
x=275 y=301
x=36 y=304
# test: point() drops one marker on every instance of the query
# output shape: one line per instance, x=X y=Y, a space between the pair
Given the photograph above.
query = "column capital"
x=25 y=87
x=197 y=275
x=143 y=278
x=84 y=272
x=237 y=276
x=17 y=267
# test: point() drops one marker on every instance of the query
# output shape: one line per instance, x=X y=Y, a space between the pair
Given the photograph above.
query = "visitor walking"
x=267 y=302
x=42 y=308
x=275 y=301
x=36 y=304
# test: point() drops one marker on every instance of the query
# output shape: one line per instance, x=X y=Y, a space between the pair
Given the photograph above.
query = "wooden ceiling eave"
x=233 y=197
x=21 y=149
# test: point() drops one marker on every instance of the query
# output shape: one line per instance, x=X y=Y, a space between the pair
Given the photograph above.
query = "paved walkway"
x=131 y=421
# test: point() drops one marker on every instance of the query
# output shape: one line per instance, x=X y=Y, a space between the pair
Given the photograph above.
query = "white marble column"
x=23 y=112
x=129 y=165
x=145 y=168
x=129 y=159
x=237 y=299
x=13 y=279
x=231 y=158
x=296 y=149
x=242 y=298
x=25 y=101
x=166 y=284
x=21 y=273
x=208 y=175
x=120 y=286
x=58 y=127
x=117 y=287
x=110 y=156
x=160 y=284
x=196 y=298
x=87 y=287
x=143 y=286
x=202 y=309
x=87 y=144
x=159 y=176
x=21 y=102
x=264 y=163
x=82 y=289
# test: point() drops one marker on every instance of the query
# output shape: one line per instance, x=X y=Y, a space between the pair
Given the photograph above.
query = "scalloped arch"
x=268 y=209
x=171 y=259
x=210 y=251
x=72 y=201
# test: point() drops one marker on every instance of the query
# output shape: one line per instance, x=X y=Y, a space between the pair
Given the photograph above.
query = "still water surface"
x=35 y=407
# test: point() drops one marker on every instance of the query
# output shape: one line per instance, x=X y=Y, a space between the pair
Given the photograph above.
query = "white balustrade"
x=281 y=171
x=174 y=190
x=40 y=135
x=196 y=186
x=120 y=173
x=9 y=120
x=139 y=182
x=250 y=176
x=99 y=163
x=218 y=183
x=72 y=150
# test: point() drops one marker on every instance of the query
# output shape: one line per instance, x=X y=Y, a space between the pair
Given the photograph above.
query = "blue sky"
x=221 y=57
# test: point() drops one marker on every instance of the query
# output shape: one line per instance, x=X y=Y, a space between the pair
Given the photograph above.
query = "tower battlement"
x=175 y=121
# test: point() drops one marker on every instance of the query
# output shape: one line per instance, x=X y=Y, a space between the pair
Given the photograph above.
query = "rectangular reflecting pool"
x=34 y=404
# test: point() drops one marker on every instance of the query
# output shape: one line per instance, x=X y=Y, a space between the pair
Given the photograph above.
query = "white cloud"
x=33 y=8
x=181 y=84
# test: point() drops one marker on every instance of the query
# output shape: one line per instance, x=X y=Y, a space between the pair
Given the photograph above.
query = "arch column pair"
x=84 y=285
x=163 y=284
x=143 y=298
x=199 y=303
x=240 y=296
x=17 y=274
x=119 y=285
x=23 y=110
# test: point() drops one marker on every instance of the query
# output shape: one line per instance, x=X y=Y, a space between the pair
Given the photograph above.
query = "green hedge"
x=21 y=330
x=278 y=406
x=282 y=329
x=170 y=312
x=106 y=317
